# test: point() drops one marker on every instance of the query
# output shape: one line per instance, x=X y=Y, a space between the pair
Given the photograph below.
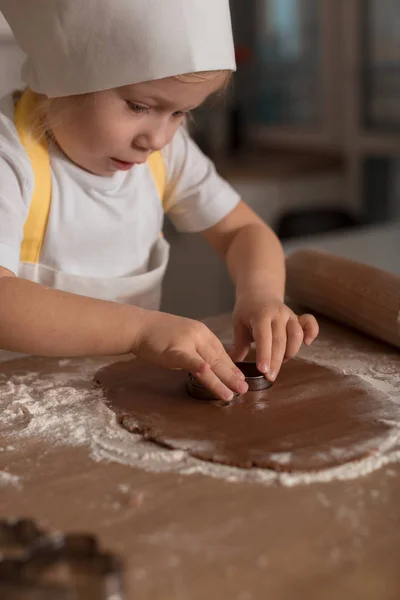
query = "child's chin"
x=100 y=171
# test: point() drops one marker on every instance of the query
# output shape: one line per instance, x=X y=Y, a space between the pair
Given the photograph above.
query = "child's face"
x=125 y=124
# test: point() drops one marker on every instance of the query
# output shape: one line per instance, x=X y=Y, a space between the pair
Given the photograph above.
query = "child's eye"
x=180 y=113
x=137 y=108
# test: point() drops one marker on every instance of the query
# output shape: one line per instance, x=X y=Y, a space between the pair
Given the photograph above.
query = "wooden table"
x=196 y=538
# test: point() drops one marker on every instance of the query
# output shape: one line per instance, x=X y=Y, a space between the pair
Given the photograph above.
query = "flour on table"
x=62 y=409
x=7 y=478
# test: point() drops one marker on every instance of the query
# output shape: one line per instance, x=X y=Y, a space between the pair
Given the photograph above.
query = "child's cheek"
x=123 y=134
x=102 y=137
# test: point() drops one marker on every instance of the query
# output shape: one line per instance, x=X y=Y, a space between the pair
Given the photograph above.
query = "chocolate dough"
x=312 y=418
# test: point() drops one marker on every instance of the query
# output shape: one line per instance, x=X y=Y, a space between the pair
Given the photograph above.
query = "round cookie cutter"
x=254 y=379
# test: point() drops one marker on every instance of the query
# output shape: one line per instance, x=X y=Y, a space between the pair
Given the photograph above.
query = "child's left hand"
x=276 y=330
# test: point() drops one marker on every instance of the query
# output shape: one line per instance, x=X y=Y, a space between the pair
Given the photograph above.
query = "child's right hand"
x=178 y=343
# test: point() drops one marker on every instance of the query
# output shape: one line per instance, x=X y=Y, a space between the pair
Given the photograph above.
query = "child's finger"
x=222 y=378
x=241 y=344
x=278 y=347
x=212 y=382
x=215 y=354
x=222 y=366
x=263 y=338
x=222 y=383
x=295 y=337
x=233 y=380
x=187 y=361
x=310 y=327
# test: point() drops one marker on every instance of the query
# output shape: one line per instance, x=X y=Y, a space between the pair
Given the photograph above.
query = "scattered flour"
x=9 y=479
x=63 y=409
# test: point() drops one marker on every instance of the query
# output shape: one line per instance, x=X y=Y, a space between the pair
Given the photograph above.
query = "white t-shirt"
x=105 y=226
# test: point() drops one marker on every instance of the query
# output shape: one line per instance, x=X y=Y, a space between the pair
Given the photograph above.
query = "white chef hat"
x=81 y=46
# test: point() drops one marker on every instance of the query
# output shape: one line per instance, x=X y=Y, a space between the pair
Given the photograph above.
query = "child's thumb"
x=241 y=344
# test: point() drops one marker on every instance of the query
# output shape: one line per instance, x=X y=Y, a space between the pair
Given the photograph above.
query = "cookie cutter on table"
x=254 y=378
x=35 y=565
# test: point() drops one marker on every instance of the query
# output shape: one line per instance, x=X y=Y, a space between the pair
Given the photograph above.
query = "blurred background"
x=309 y=134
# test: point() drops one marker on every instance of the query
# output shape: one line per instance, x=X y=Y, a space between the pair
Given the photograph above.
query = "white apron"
x=142 y=290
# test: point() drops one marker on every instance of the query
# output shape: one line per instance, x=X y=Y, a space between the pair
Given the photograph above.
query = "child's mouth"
x=122 y=165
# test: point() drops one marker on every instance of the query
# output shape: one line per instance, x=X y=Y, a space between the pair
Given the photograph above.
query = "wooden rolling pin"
x=358 y=295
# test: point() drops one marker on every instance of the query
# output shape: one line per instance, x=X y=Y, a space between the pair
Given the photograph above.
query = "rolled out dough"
x=312 y=418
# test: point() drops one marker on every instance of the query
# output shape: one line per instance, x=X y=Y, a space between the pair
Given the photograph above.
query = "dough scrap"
x=313 y=418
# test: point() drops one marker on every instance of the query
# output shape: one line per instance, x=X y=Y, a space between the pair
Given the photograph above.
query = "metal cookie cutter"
x=254 y=378
x=55 y=566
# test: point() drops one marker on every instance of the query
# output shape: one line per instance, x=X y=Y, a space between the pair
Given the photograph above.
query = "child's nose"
x=154 y=139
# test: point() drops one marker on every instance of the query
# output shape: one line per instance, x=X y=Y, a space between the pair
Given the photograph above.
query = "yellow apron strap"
x=157 y=168
x=38 y=152
x=36 y=223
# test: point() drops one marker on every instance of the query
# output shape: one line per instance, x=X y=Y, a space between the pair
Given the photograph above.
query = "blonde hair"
x=225 y=75
x=41 y=125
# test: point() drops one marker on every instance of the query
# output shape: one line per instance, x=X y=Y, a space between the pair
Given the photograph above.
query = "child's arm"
x=47 y=322
x=43 y=321
x=256 y=263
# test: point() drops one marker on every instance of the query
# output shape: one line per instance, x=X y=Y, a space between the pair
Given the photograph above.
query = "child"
x=90 y=155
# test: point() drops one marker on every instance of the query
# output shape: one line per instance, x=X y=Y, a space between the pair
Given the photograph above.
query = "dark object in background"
x=36 y=565
x=235 y=129
x=313 y=221
x=378 y=182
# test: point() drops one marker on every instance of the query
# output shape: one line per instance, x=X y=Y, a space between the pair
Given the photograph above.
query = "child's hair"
x=41 y=126
x=226 y=77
